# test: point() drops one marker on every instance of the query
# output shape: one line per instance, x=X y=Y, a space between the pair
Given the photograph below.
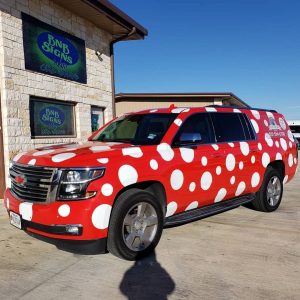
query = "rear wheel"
x=269 y=196
x=136 y=225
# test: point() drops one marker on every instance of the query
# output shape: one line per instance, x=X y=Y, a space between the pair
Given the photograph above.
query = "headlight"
x=74 y=182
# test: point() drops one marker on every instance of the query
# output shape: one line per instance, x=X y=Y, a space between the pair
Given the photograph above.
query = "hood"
x=77 y=154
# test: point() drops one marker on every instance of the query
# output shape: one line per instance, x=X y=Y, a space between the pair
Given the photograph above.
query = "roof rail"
x=240 y=107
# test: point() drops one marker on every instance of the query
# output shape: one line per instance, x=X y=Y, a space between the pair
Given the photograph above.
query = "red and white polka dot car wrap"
x=192 y=177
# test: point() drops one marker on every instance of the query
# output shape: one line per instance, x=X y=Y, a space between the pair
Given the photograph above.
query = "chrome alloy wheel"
x=273 y=191
x=140 y=226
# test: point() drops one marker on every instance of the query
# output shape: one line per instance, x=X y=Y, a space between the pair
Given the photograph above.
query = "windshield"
x=139 y=129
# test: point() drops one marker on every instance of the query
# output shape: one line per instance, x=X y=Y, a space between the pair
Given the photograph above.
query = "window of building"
x=51 y=118
x=228 y=127
x=97 y=117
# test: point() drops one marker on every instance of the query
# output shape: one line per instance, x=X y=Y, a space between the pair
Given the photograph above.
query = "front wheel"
x=135 y=226
x=269 y=196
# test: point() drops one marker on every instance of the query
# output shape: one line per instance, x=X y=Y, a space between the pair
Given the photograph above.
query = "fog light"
x=72 y=229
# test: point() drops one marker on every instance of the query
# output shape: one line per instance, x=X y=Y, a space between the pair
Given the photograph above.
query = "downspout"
x=112 y=66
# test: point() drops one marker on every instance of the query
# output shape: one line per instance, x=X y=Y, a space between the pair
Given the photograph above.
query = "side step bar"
x=206 y=211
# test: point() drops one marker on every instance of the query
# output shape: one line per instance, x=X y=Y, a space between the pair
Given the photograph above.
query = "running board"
x=206 y=211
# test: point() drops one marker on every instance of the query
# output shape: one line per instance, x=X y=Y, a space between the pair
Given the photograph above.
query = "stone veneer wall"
x=18 y=84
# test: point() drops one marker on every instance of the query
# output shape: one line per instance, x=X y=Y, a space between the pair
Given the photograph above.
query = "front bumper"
x=47 y=219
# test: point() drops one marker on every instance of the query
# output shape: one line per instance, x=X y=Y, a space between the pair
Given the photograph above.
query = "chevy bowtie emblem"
x=20 y=180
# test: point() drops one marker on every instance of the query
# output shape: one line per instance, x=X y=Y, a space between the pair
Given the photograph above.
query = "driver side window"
x=197 y=128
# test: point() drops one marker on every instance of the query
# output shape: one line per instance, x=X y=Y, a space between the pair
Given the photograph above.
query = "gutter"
x=112 y=65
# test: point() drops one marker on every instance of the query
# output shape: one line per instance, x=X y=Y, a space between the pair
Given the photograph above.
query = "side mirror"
x=190 y=138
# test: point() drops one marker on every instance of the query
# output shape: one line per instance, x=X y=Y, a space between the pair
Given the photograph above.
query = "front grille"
x=32 y=183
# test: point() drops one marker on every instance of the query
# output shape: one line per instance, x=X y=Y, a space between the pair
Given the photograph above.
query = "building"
x=128 y=102
x=57 y=72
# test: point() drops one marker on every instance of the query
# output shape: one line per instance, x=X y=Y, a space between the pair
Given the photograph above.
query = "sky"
x=248 y=47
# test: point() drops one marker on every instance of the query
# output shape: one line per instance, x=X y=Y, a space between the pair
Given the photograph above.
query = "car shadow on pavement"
x=147 y=279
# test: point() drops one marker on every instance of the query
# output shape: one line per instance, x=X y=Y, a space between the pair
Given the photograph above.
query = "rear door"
x=237 y=145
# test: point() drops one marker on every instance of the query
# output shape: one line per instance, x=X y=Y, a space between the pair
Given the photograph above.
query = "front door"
x=2 y=171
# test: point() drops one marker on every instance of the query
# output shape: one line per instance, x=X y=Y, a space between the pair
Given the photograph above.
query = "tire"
x=136 y=225
x=269 y=199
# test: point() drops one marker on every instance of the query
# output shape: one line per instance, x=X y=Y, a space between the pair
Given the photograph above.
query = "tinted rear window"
x=228 y=127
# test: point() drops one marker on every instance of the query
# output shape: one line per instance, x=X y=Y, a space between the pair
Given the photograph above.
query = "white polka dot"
x=232 y=179
x=176 y=180
x=230 y=162
x=25 y=210
x=43 y=152
x=255 y=125
x=32 y=162
x=18 y=156
x=171 y=209
x=268 y=140
x=101 y=215
x=290 y=136
x=204 y=161
x=278 y=156
x=135 y=152
x=218 y=170
x=178 y=110
x=255 y=179
x=127 y=175
x=153 y=110
x=241 y=165
x=235 y=110
x=290 y=144
x=192 y=205
x=266 y=123
x=178 y=122
x=252 y=159
x=216 y=147
x=270 y=115
x=282 y=123
x=290 y=160
x=64 y=210
x=256 y=114
x=165 y=151
x=192 y=186
x=210 y=109
x=295 y=160
x=231 y=145
x=265 y=160
x=100 y=148
x=187 y=154
x=206 y=180
x=240 y=189
x=277 y=144
x=186 y=110
x=283 y=144
x=244 y=148
x=107 y=189
x=153 y=164
x=71 y=149
x=7 y=203
x=221 y=195
x=62 y=157
x=103 y=160
x=259 y=146
x=285 y=179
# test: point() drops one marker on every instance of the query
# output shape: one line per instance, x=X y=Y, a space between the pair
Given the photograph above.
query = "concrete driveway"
x=240 y=254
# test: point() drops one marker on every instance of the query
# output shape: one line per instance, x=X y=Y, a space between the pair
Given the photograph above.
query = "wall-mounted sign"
x=52 y=51
x=49 y=118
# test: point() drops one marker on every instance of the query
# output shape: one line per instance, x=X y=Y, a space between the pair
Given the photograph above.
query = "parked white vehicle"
x=295 y=128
